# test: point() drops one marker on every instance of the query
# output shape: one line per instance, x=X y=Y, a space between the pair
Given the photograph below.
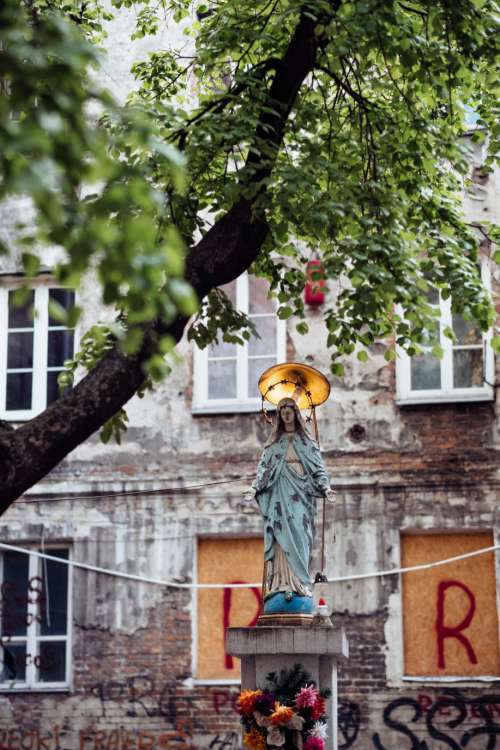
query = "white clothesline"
x=176 y=585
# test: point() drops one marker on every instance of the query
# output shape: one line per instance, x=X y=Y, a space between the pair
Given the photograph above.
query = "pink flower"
x=306 y=697
x=314 y=743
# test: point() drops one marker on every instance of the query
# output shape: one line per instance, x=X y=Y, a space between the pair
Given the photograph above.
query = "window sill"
x=18 y=418
x=229 y=408
x=223 y=682
x=35 y=689
x=444 y=399
x=452 y=678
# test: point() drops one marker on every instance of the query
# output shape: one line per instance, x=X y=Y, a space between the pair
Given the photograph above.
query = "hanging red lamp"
x=315 y=288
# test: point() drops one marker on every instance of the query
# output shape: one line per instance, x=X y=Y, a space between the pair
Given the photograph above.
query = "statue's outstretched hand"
x=330 y=495
x=249 y=494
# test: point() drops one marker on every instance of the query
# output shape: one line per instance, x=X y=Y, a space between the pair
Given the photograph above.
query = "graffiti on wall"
x=449 y=721
x=457 y=632
x=348 y=721
x=181 y=738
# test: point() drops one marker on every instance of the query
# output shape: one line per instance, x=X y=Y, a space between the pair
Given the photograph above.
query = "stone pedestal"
x=269 y=649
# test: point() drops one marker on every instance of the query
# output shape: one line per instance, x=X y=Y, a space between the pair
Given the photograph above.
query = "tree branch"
x=343 y=84
x=227 y=250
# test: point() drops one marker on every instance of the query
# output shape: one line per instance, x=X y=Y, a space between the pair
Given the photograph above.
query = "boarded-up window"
x=450 y=612
x=225 y=561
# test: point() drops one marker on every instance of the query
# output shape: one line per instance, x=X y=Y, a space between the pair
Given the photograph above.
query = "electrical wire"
x=134 y=493
x=177 y=585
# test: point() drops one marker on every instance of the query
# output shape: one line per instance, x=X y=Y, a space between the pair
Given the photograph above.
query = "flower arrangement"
x=289 y=713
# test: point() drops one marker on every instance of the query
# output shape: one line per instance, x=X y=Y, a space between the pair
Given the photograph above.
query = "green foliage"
x=218 y=317
x=97 y=188
x=115 y=427
x=373 y=157
x=368 y=170
x=93 y=345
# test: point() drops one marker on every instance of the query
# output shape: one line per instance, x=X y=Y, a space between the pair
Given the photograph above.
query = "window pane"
x=255 y=369
x=20 y=350
x=54 y=609
x=21 y=317
x=433 y=296
x=425 y=372
x=18 y=391
x=53 y=392
x=257 y=296
x=14 y=662
x=468 y=368
x=65 y=298
x=14 y=593
x=222 y=349
x=52 y=661
x=222 y=378
x=432 y=335
x=230 y=291
x=465 y=331
x=266 y=344
x=60 y=347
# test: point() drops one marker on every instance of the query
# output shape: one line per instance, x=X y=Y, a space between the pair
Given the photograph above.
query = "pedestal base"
x=287 y=620
x=282 y=603
x=270 y=649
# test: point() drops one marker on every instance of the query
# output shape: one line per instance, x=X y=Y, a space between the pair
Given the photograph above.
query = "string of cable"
x=178 y=585
x=135 y=493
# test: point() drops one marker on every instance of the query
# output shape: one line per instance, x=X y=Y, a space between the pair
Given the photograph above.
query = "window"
x=463 y=373
x=226 y=375
x=34 y=620
x=225 y=561
x=33 y=348
x=450 y=620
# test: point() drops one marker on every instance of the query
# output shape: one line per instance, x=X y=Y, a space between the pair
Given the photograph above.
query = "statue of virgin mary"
x=290 y=477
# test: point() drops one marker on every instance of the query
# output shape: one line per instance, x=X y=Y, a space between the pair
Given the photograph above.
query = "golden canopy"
x=307 y=386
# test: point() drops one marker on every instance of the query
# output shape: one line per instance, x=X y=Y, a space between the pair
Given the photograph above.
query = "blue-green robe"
x=288 y=501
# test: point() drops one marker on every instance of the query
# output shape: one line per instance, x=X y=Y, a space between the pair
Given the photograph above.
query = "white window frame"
x=32 y=639
x=40 y=344
x=447 y=393
x=201 y=403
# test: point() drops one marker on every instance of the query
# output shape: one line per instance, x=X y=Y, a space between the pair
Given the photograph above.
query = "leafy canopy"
x=366 y=172
x=89 y=167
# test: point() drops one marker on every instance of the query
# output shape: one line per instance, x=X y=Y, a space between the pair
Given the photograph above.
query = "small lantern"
x=323 y=602
x=315 y=284
x=323 y=599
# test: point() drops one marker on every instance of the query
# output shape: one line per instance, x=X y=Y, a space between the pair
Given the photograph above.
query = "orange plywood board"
x=450 y=618
x=225 y=561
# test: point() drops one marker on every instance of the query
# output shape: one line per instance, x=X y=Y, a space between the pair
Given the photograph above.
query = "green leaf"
x=337 y=369
x=284 y=313
x=495 y=343
x=31 y=264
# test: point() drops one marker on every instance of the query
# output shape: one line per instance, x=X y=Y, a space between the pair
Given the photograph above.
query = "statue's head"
x=287 y=411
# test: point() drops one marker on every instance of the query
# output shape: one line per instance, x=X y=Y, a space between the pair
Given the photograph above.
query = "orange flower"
x=281 y=714
x=254 y=738
x=246 y=701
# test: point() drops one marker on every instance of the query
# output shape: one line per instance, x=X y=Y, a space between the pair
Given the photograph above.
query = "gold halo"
x=307 y=386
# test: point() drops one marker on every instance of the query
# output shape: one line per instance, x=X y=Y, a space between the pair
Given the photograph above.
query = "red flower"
x=314 y=743
x=319 y=708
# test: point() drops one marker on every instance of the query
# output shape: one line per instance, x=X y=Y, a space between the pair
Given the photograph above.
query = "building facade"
x=122 y=650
